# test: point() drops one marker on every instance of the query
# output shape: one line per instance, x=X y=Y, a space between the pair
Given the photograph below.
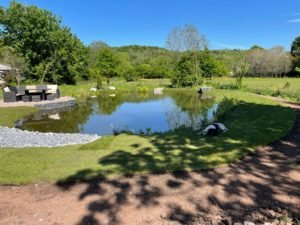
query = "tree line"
x=37 y=46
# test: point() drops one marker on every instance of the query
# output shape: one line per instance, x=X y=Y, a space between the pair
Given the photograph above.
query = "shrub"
x=228 y=86
x=287 y=85
x=239 y=82
x=99 y=83
x=142 y=89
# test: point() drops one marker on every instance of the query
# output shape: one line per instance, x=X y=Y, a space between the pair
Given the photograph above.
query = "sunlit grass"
x=288 y=88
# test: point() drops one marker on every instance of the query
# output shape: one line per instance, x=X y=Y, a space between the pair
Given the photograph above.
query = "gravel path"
x=12 y=137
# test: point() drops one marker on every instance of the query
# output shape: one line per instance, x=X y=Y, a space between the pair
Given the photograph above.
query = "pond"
x=138 y=113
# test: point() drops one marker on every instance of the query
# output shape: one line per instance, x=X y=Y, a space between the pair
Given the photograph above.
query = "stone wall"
x=56 y=104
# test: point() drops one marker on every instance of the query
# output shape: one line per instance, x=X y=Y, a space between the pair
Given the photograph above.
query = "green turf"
x=255 y=121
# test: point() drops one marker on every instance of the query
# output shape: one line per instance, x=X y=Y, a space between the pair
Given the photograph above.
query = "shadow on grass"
x=257 y=180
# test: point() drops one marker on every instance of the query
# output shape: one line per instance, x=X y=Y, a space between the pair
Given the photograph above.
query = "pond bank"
x=183 y=149
x=16 y=138
x=47 y=104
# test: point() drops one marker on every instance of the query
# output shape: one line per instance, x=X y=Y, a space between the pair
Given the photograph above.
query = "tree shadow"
x=260 y=179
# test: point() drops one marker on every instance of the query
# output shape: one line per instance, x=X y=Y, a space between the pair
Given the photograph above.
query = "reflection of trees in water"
x=189 y=110
x=176 y=117
x=107 y=105
x=71 y=120
x=182 y=109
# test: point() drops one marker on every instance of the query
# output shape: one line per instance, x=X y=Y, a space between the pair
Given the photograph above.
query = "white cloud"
x=294 y=21
x=229 y=46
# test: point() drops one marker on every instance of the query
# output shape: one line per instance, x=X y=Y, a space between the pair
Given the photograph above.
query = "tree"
x=268 y=62
x=16 y=62
x=207 y=66
x=241 y=69
x=228 y=58
x=124 y=66
x=52 y=52
x=93 y=50
x=188 y=38
x=107 y=64
x=185 y=38
x=184 y=74
x=210 y=66
x=295 y=51
x=256 y=47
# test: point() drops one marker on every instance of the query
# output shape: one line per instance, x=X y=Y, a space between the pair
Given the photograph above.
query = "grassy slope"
x=264 y=119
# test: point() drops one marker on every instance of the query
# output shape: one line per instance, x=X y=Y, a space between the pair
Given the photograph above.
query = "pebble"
x=248 y=223
x=16 y=138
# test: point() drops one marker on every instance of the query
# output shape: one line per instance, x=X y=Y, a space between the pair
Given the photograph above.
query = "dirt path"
x=261 y=187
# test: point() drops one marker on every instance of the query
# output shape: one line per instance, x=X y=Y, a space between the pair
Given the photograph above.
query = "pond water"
x=126 y=111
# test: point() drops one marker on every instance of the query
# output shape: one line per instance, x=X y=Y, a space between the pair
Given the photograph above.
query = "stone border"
x=46 y=105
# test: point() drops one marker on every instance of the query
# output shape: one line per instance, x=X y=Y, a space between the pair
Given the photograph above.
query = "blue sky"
x=225 y=23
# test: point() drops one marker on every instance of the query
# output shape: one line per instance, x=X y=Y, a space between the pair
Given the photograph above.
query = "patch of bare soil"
x=262 y=188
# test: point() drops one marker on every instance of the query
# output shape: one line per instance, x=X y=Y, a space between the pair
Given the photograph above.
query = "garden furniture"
x=31 y=93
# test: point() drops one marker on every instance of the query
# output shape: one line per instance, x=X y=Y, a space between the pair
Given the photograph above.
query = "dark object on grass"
x=214 y=129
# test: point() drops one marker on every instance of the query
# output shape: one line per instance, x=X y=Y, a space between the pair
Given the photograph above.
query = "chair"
x=52 y=92
x=9 y=94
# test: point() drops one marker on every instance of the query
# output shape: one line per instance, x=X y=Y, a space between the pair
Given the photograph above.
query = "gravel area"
x=16 y=138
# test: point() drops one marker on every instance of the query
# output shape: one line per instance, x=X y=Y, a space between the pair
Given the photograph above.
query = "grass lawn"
x=253 y=122
x=285 y=87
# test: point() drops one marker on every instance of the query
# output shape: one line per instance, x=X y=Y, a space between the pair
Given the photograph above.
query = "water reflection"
x=131 y=111
x=190 y=110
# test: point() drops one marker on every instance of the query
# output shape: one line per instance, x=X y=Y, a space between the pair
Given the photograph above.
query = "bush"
x=129 y=77
x=239 y=81
x=99 y=83
x=287 y=85
x=142 y=89
x=228 y=86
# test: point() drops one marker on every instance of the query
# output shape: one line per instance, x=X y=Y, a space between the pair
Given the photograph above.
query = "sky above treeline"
x=225 y=23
